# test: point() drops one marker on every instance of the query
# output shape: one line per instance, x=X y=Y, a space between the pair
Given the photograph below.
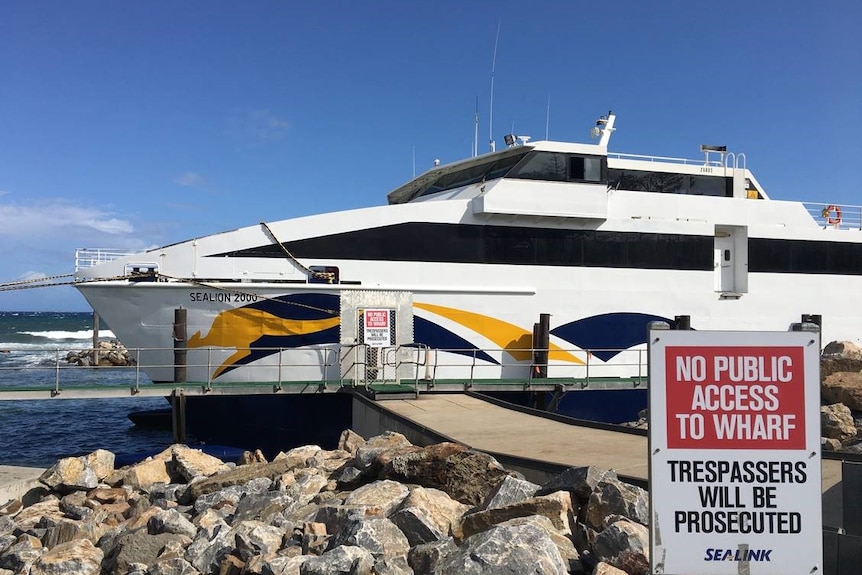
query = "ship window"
x=670 y=183
x=558 y=167
x=548 y=166
x=586 y=169
x=479 y=173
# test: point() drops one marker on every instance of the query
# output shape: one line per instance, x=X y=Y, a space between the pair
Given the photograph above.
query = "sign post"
x=735 y=453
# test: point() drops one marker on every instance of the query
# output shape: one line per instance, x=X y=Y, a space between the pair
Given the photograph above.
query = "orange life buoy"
x=832 y=213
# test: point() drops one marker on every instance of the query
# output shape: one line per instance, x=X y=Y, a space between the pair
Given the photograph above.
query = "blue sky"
x=135 y=124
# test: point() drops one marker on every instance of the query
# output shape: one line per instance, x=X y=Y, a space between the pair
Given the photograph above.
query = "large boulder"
x=21 y=555
x=624 y=544
x=148 y=472
x=427 y=515
x=70 y=474
x=580 y=481
x=510 y=490
x=525 y=548
x=836 y=422
x=138 y=547
x=380 y=536
x=843 y=387
x=79 y=557
x=385 y=495
x=842 y=349
x=343 y=560
x=557 y=507
x=192 y=463
x=466 y=475
x=613 y=497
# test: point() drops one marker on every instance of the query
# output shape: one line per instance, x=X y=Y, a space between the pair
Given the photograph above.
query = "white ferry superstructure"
x=603 y=242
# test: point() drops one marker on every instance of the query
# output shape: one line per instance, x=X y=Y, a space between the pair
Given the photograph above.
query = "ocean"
x=38 y=432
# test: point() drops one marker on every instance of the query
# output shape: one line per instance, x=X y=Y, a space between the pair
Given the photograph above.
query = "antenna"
x=548 y=117
x=414 y=161
x=491 y=111
x=476 y=129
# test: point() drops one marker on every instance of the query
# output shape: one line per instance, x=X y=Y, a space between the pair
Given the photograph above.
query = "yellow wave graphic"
x=239 y=328
x=515 y=340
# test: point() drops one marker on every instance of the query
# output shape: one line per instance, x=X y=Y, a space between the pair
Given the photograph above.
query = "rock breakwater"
x=108 y=354
x=377 y=506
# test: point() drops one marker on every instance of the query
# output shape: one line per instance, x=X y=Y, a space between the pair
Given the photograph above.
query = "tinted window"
x=669 y=183
x=548 y=166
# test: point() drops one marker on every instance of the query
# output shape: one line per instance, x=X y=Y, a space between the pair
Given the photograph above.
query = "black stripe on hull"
x=478 y=244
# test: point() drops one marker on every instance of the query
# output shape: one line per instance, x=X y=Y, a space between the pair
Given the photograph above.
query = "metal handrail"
x=91 y=257
x=685 y=161
x=849 y=217
x=421 y=357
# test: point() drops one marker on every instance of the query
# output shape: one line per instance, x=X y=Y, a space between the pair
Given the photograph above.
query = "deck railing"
x=91 y=257
x=838 y=216
x=47 y=369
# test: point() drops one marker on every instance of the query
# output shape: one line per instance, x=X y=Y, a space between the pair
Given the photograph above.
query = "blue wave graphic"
x=608 y=333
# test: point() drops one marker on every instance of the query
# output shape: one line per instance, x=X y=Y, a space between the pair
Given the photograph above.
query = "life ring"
x=832 y=213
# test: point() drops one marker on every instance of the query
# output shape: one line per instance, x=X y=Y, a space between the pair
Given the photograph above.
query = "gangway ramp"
x=486 y=426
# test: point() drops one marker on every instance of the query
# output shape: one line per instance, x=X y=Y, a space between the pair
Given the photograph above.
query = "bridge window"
x=670 y=183
x=479 y=173
x=559 y=167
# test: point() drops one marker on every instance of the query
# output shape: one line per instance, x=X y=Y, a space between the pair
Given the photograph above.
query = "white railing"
x=685 y=161
x=837 y=216
x=91 y=257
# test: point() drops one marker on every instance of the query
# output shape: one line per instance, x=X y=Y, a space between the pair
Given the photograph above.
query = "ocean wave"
x=84 y=334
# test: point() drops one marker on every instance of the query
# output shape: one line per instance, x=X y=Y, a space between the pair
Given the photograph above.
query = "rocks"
x=836 y=422
x=406 y=509
x=110 y=354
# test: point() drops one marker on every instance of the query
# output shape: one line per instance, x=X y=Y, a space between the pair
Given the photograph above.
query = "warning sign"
x=735 y=452
x=735 y=397
x=377 y=330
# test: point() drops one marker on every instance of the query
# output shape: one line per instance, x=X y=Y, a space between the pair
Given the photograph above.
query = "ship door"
x=724 y=266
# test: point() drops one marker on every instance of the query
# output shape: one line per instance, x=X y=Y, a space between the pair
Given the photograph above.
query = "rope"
x=32 y=283
x=35 y=280
x=329 y=276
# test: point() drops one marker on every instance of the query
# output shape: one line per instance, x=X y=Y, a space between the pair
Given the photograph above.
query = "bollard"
x=180 y=351
x=178 y=415
x=540 y=345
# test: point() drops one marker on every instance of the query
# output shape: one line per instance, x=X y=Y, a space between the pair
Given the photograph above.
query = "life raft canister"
x=832 y=214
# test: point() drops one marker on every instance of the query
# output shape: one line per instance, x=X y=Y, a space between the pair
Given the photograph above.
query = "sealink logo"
x=754 y=555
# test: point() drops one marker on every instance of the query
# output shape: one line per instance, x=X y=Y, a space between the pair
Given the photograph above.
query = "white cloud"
x=258 y=126
x=191 y=180
x=49 y=218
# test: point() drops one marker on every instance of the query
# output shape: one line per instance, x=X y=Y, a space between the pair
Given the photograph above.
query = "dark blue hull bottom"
x=271 y=423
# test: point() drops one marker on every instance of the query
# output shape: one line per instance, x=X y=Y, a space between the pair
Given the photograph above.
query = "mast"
x=491 y=143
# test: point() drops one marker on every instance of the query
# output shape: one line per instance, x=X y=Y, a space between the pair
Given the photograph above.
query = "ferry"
x=449 y=279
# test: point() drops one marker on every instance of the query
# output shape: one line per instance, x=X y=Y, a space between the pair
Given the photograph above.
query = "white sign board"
x=376 y=327
x=735 y=453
